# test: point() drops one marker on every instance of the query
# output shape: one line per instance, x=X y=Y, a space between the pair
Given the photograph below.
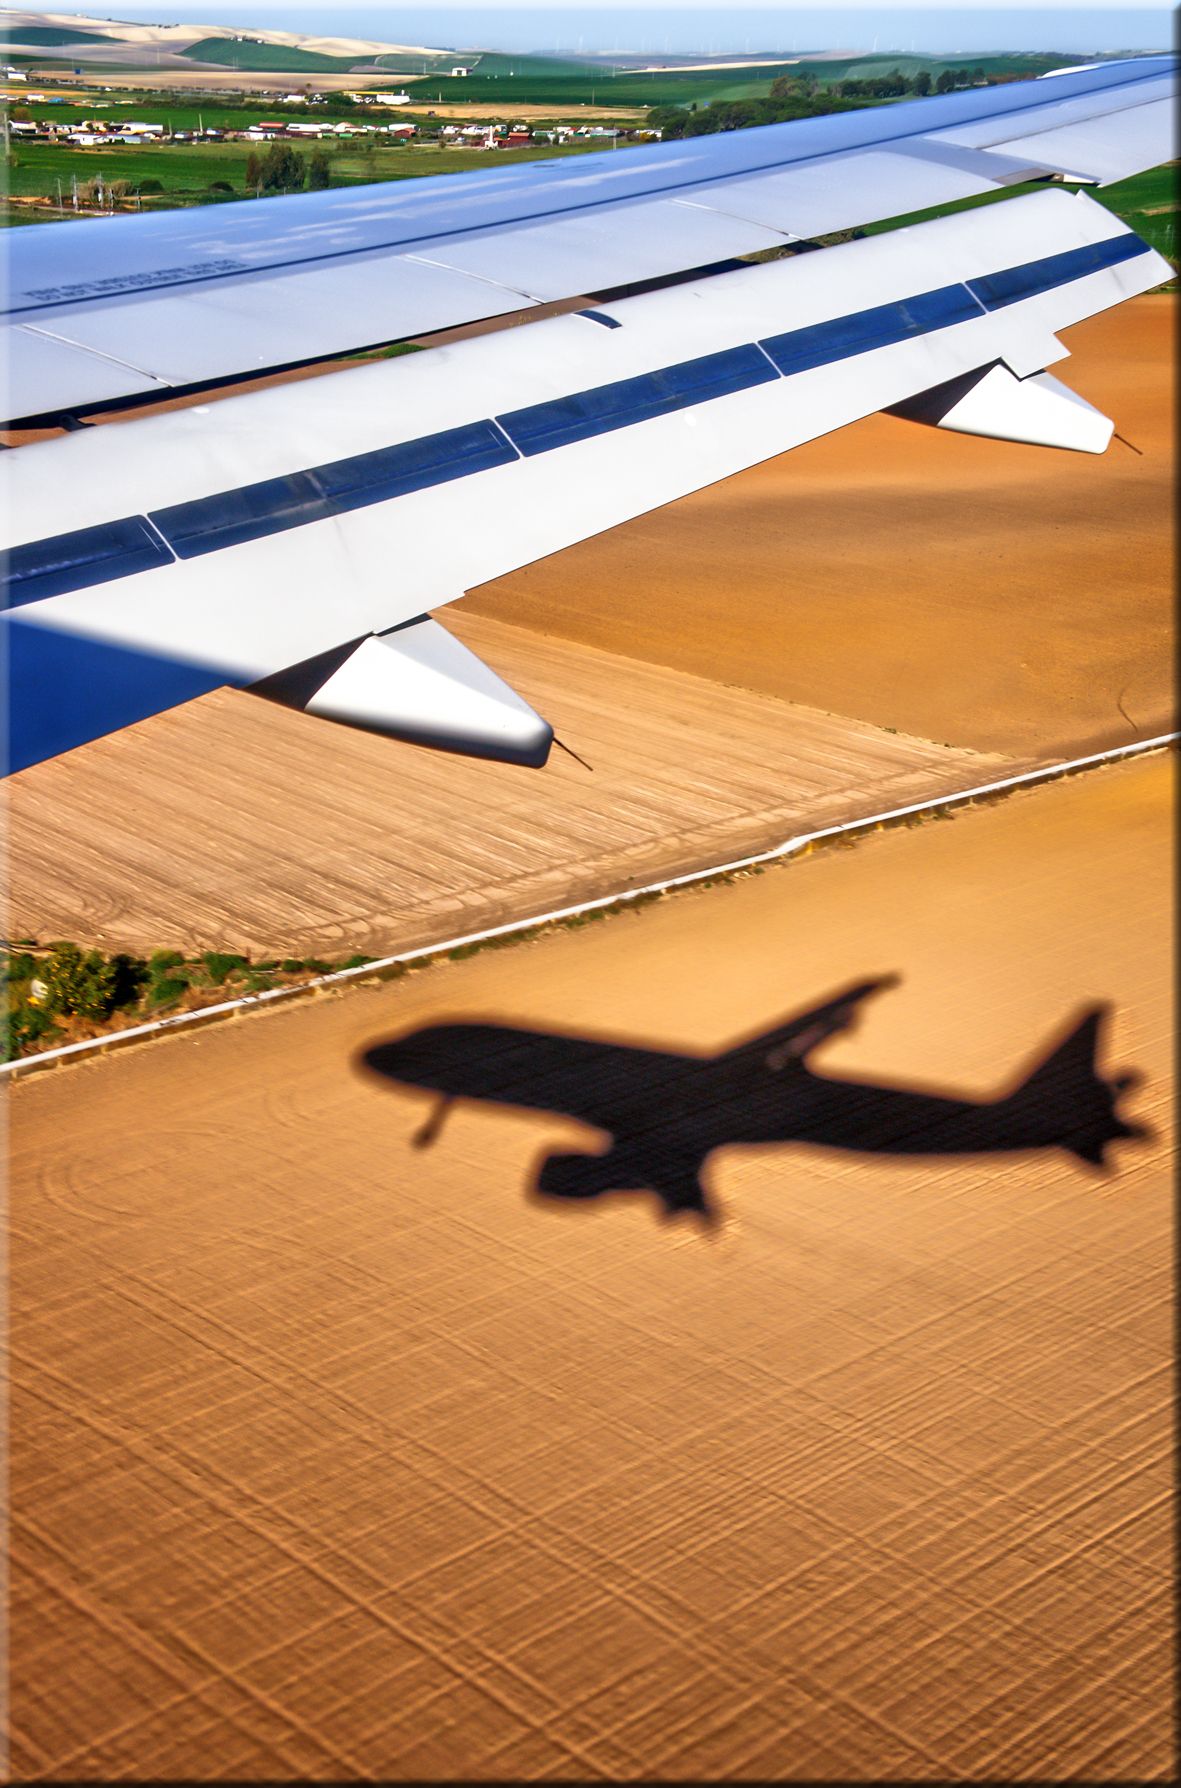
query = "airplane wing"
x=150 y=303
x=794 y=1040
x=294 y=539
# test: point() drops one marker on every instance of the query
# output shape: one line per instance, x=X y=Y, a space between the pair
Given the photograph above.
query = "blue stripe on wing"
x=112 y=550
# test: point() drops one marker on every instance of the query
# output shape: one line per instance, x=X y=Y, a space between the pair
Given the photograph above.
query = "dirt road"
x=334 y=1455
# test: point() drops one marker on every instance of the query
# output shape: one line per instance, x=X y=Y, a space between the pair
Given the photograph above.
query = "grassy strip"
x=58 y=993
x=171 y=984
x=186 y=173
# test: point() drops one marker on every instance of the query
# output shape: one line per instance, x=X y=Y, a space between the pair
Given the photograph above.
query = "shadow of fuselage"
x=667 y=1112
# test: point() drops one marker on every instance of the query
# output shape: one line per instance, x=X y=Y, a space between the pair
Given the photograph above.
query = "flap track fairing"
x=419 y=684
x=991 y=401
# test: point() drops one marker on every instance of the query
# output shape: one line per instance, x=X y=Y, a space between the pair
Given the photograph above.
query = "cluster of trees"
x=896 y=85
x=283 y=169
x=802 y=96
x=67 y=982
x=41 y=988
x=740 y=114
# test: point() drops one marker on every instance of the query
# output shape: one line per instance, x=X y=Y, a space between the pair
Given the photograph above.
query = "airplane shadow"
x=666 y=1112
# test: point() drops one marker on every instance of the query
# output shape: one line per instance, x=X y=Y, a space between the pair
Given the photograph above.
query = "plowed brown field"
x=338 y=1457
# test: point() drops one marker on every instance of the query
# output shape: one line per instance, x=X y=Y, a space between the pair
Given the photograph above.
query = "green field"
x=860 y=68
x=565 y=92
x=271 y=57
x=187 y=172
x=492 y=62
x=184 y=114
x=180 y=113
x=53 y=34
x=550 y=81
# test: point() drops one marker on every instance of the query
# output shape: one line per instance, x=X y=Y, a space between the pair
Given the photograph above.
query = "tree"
x=319 y=172
x=253 y=171
x=281 y=169
x=670 y=121
x=922 y=83
x=946 y=82
x=793 y=87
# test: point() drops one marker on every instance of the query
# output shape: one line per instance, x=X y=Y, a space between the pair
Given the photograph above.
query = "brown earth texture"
x=359 y=1437
x=341 y=1452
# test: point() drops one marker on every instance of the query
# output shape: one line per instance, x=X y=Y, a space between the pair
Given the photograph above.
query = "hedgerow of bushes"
x=55 y=992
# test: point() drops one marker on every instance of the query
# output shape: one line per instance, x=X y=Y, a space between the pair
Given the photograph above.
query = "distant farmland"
x=271 y=58
x=51 y=35
x=566 y=92
x=188 y=171
x=552 y=82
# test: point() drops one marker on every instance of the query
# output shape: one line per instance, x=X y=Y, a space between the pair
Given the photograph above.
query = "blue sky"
x=663 y=26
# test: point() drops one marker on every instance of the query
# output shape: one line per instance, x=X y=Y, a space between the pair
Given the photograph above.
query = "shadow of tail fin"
x=1065 y=1100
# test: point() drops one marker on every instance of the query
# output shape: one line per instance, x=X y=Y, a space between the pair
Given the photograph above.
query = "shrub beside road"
x=59 y=993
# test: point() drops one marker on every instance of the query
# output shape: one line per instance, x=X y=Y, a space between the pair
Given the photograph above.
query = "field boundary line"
x=386 y=965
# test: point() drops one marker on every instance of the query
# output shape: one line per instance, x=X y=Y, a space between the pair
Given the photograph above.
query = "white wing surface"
x=278 y=537
x=146 y=304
